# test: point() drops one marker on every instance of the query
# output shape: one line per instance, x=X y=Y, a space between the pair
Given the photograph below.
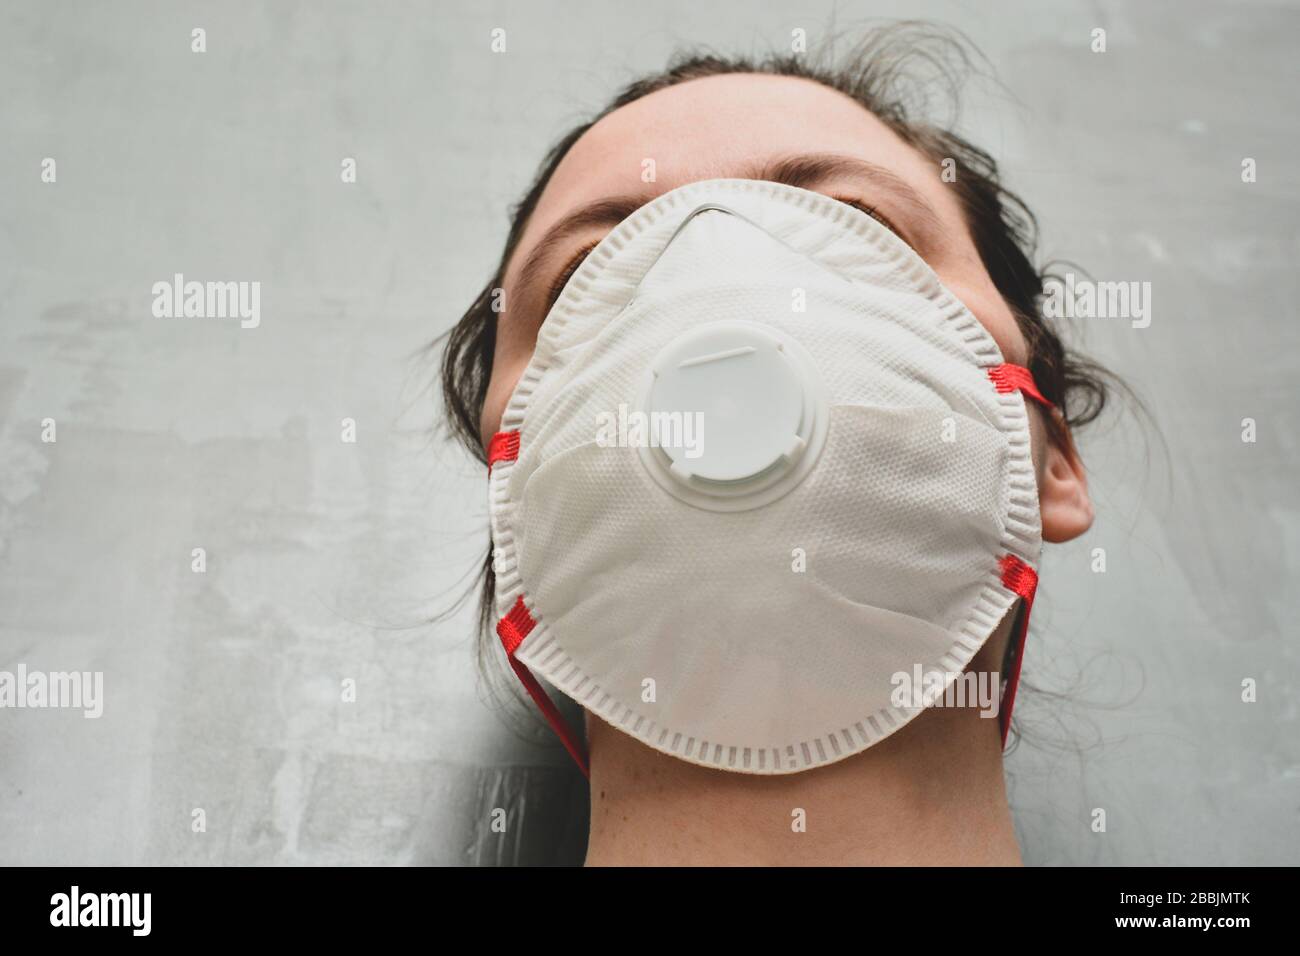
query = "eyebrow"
x=602 y=213
x=801 y=171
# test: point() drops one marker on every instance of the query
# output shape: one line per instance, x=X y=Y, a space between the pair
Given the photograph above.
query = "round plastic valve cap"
x=730 y=406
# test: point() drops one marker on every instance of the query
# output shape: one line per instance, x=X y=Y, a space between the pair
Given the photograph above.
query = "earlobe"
x=1063 y=494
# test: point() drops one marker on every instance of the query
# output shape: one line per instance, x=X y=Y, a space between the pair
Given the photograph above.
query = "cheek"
x=1038 y=443
x=987 y=305
x=505 y=375
x=516 y=338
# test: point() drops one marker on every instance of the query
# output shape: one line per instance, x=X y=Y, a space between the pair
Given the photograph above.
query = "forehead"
x=723 y=126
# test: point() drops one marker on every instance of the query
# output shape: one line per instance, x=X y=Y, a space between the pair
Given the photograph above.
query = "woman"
x=701 y=732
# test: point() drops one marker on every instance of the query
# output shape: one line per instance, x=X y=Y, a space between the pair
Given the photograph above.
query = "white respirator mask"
x=762 y=463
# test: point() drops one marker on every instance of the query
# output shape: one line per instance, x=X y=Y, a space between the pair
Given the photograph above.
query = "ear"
x=1063 y=498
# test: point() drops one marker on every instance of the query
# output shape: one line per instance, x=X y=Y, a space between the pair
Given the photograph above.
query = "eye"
x=563 y=278
x=874 y=213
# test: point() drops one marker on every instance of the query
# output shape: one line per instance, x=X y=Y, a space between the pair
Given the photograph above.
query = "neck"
x=931 y=794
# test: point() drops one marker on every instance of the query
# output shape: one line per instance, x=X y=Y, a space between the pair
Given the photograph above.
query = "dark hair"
x=891 y=73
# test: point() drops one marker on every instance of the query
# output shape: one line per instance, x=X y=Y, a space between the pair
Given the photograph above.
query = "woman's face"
x=746 y=126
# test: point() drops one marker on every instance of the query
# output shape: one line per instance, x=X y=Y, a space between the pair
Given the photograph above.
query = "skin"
x=936 y=789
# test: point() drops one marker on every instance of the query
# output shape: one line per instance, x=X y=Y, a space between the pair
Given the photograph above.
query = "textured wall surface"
x=326 y=559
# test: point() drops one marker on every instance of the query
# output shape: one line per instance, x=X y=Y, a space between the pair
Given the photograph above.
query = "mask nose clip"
x=737 y=415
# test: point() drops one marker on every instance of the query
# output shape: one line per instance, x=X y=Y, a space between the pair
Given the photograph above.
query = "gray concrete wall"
x=325 y=559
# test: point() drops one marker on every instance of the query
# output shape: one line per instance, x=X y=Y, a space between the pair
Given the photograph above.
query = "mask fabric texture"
x=845 y=495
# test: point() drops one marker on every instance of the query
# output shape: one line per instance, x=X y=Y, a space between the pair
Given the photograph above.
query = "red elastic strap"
x=504 y=446
x=512 y=629
x=1009 y=378
x=1018 y=578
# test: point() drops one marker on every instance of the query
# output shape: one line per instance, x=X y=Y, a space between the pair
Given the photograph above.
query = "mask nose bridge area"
x=714 y=207
x=734 y=411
